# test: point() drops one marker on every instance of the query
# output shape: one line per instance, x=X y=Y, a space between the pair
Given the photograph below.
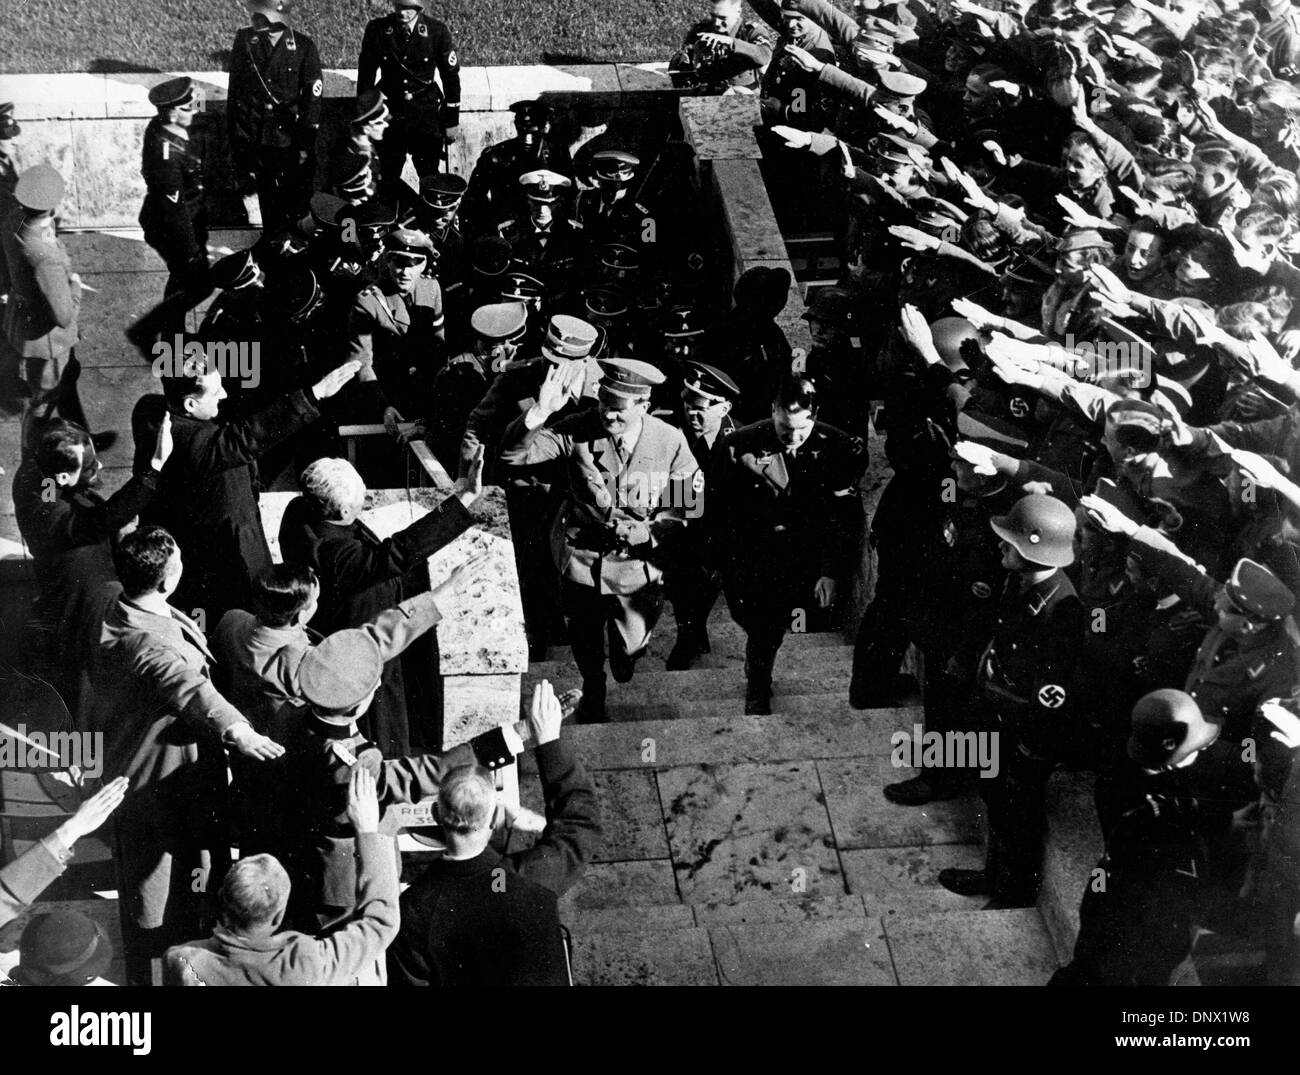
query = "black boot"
x=966 y=882
x=591 y=709
x=759 y=659
x=920 y=790
x=687 y=648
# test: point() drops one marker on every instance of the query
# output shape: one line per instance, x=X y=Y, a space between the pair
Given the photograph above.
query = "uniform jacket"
x=763 y=517
x=604 y=220
x=550 y=255
x=207 y=498
x=403 y=66
x=173 y=200
x=457 y=389
x=40 y=319
x=1228 y=679
x=30 y=874
x=1028 y=669
x=275 y=91
x=397 y=339
x=494 y=193
x=657 y=489
x=291 y=958
x=492 y=919
x=745 y=63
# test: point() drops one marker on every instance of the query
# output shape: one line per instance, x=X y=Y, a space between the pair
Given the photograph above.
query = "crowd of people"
x=1066 y=306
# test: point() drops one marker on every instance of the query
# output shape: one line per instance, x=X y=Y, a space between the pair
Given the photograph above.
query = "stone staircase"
x=758 y=850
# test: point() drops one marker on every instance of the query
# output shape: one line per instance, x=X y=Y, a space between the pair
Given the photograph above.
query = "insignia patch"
x=949 y=534
x=1051 y=696
x=343 y=754
x=1019 y=407
x=982 y=590
x=451 y=58
x=697 y=482
x=1254 y=673
x=174 y=197
x=317 y=87
x=423 y=30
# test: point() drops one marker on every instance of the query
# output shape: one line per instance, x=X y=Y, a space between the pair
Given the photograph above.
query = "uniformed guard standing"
x=630 y=477
x=274 y=112
x=237 y=315
x=435 y=214
x=607 y=212
x=784 y=521
x=1026 y=677
x=396 y=328
x=692 y=584
x=1137 y=927
x=40 y=318
x=356 y=174
x=405 y=54
x=174 y=217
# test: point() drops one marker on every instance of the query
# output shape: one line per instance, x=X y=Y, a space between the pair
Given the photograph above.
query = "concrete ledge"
x=1073 y=847
x=483 y=89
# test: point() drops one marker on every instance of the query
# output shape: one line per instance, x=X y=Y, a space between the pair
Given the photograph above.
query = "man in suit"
x=784 y=522
x=165 y=727
x=479 y=918
x=40 y=318
x=208 y=495
x=361 y=576
x=250 y=948
x=404 y=54
x=273 y=112
x=632 y=486
x=68 y=526
x=692 y=585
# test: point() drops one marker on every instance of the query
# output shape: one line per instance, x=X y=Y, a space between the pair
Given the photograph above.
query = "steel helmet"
x=1167 y=729
x=949 y=334
x=834 y=305
x=1040 y=528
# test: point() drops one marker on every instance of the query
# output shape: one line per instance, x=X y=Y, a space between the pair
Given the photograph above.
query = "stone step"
x=728 y=649
x=966 y=947
x=709 y=738
x=815 y=673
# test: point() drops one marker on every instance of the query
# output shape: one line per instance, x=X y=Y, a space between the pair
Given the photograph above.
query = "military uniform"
x=174 y=218
x=740 y=65
x=550 y=254
x=40 y=318
x=494 y=194
x=625 y=507
x=405 y=64
x=779 y=521
x=272 y=116
x=398 y=337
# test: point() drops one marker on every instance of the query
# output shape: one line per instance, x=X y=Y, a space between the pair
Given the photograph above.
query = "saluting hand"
x=333 y=382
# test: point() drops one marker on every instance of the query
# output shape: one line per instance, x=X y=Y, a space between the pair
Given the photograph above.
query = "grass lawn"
x=195 y=35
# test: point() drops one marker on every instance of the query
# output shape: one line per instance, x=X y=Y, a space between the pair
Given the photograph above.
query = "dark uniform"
x=779 y=521
x=494 y=193
x=272 y=116
x=174 y=217
x=1027 y=679
x=405 y=62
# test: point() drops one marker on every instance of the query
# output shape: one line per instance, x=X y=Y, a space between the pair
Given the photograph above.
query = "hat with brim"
x=274 y=10
x=627 y=380
x=339 y=673
x=544 y=185
x=705 y=385
x=9 y=127
x=443 y=190
x=1082 y=239
x=408 y=244
x=234 y=271
x=568 y=337
x=520 y=287
x=371 y=108
x=991 y=432
x=62 y=948
x=614 y=164
x=1259 y=593
x=1167 y=726
x=39 y=189
x=174 y=93
x=1136 y=424
x=619 y=257
x=605 y=304
x=500 y=321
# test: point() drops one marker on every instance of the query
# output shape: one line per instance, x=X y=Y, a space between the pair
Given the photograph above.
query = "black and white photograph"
x=651 y=493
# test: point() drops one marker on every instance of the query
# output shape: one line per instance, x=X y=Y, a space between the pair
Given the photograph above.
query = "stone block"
x=842 y=952
x=67 y=96
x=651 y=957
x=519 y=83
x=972 y=947
x=721 y=128
x=110 y=189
